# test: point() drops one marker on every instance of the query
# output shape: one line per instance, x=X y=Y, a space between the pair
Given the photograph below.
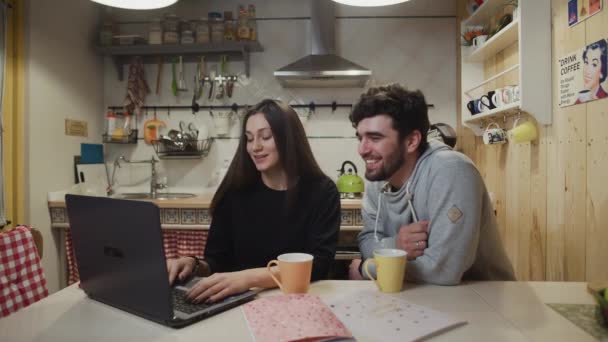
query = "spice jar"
x=216 y=25
x=155 y=32
x=243 y=27
x=187 y=37
x=202 y=31
x=229 y=32
x=106 y=34
x=170 y=25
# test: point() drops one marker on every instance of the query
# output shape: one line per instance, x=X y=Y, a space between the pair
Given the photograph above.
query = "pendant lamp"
x=370 y=3
x=137 y=4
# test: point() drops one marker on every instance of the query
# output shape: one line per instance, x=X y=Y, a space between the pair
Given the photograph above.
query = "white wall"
x=417 y=52
x=64 y=79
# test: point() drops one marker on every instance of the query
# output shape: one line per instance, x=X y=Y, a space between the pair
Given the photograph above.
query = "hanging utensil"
x=230 y=86
x=222 y=78
x=181 y=83
x=174 y=79
x=159 y=70
x=200 y=74
x=195 y=106
x=212 y=82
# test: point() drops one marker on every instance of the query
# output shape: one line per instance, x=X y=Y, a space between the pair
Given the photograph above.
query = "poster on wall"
x=582 y=74
x=580 y=10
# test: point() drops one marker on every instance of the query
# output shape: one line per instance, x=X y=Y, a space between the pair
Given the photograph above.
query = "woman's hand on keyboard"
x=180 y=268
x=219 y=285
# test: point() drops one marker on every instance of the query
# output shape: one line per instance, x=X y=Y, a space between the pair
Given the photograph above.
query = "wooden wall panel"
x=537 y=250
x=549 y=195
x=597 y=168
x=566 y=183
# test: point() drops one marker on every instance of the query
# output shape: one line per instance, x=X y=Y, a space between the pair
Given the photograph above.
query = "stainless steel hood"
x=322 y=68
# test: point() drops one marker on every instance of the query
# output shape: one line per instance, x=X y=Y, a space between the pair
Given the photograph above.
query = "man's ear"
x=412 y=141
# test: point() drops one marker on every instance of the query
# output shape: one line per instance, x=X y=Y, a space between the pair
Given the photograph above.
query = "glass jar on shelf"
x=170 y=27
x=106 y=34
x=243 y=26
x=216 y=25
x=155 y=32
x=202 y=31
x=187 y=37
x=253 y=25
x=229 y=32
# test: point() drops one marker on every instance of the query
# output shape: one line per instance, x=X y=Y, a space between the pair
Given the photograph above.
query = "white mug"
x=503 y=96
x=494 y=135
x=479 y=40
x=497 y=98
x=516 y=94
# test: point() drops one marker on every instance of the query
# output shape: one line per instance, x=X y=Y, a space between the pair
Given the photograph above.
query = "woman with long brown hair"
x=274 y=199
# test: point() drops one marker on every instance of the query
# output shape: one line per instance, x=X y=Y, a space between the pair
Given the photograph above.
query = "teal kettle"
x=349 y=182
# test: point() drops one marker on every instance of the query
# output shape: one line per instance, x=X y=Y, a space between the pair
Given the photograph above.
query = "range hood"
x=322 y=68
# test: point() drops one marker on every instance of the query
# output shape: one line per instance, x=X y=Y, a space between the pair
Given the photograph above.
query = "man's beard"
x=390 y=165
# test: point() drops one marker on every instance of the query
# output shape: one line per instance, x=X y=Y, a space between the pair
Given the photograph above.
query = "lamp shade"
x=370 y=3
x=137 y=4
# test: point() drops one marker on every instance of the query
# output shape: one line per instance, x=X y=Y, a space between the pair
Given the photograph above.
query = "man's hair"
x=408 y=109
x=603 y=56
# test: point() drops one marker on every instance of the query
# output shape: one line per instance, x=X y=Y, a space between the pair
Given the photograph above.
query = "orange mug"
x=295 y=270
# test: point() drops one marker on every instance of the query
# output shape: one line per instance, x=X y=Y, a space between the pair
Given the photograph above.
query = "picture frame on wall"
x=581 y=10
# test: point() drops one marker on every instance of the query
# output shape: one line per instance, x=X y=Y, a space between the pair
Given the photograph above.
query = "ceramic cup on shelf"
x=472 y=107
x=516 y=94
x=494 y=135
x=486 y=103
x=480 y=40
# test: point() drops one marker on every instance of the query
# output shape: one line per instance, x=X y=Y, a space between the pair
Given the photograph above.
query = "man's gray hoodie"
x=447 y=190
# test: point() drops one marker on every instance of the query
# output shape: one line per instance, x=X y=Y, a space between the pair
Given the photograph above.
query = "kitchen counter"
x=178 y=216
x=204 y=201
x=193 y=213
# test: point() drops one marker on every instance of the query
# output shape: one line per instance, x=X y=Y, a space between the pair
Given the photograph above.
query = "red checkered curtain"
x=177 y=243
x=22 y=281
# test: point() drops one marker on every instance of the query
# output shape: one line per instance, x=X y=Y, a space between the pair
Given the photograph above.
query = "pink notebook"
x=295 y=317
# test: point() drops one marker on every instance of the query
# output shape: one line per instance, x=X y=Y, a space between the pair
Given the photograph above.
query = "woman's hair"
x=295 y=155
x=408 y=109
x=601 y=44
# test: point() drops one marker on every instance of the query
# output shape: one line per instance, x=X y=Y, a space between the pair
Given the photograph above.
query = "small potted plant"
x=515 y=5
x=602 y=310
x=472 y=32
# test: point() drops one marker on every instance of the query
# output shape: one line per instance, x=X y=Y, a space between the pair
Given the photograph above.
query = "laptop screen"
x=119 y=253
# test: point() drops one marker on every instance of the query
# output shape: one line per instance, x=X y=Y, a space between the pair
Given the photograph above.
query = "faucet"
x=155 y=185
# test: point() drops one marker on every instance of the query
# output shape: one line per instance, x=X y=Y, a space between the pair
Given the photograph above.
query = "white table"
x=495 y=311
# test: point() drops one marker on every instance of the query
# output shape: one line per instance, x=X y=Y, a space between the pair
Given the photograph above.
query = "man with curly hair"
x=422 y=197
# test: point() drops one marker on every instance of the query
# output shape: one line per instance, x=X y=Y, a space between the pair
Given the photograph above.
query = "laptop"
x=119 y=251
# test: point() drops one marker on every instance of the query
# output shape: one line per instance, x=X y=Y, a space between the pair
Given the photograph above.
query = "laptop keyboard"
x=181 y=303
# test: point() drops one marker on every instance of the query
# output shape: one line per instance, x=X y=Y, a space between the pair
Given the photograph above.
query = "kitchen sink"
x=159 y=196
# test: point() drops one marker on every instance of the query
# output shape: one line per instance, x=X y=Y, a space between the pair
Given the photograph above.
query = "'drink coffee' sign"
x=582 y=74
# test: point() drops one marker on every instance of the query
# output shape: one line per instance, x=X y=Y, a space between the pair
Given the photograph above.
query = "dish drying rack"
x=191 y=149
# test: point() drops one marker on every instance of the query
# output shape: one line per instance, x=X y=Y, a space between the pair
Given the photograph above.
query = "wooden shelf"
x=482 y=15
x=531 y=31
x=475 y=122
x=501 y=40
x=150 y=53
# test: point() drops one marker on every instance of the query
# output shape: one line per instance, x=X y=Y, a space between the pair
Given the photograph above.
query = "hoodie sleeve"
x=369 y=211
x=454 y=202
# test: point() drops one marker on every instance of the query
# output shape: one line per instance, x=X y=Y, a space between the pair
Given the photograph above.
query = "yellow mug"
x=390 y=269
x=295 y=270
x=523 y=132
